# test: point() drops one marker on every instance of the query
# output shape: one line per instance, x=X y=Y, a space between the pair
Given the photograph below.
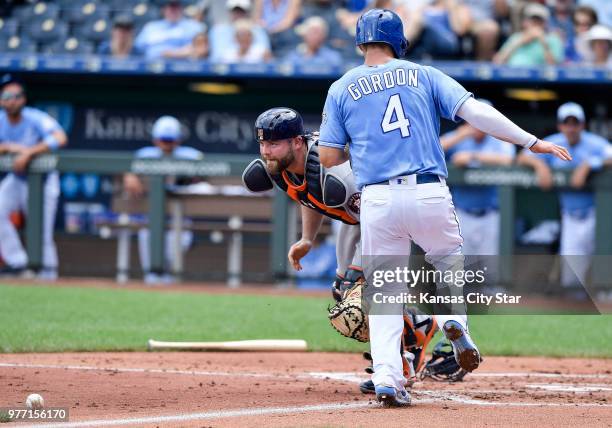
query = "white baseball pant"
x=14 y=197
x=392 y=216
x=577 y=243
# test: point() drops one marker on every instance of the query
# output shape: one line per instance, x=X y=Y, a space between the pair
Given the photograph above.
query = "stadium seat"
x=16 y=44
x=47 y=30
x=96 y=30
x=71 y=45
x=9 y=27
x=143 y=12
x=88 y=10
x=38 y=10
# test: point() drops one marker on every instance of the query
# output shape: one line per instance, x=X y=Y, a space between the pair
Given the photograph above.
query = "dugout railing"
x=508 y=180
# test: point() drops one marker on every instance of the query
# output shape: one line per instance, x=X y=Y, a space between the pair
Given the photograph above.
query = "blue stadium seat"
x=143 y=12
x=47 y=30
x=38 y=10
x=16 y=44
x=9 y=27
x=122 y=6
x=95 y=30
x=86 y=10
x=70 y=46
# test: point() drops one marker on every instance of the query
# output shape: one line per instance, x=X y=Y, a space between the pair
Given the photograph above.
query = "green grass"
x=54 y=319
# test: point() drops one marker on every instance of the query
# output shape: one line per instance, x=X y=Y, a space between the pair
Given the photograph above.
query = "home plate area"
x=300 y=390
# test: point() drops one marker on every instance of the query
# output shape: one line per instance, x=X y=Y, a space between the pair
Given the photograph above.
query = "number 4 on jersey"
x=395 y=110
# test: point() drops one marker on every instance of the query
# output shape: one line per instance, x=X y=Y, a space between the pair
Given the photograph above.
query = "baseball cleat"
x=367 y=387
x=389 y=397
x=466 y=353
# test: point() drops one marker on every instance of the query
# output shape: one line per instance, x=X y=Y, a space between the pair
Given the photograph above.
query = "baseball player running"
x=26 y=132
x=388 y=110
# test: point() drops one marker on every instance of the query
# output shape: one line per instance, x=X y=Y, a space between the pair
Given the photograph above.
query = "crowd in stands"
x=311 y=32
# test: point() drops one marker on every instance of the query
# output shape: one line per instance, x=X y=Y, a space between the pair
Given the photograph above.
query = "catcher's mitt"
x=348 y=316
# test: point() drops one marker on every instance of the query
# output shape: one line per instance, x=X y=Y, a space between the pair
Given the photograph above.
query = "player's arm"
x=332 y=156
x=542 y=170
x=451 y=139
x=311 y=223
x=52 y=141
x=464 y=159
x=489 y=120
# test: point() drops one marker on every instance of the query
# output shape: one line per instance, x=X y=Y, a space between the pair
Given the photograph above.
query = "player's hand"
x=11 y=148
x=580 y=175
x=462 y=159
x=552 y=149
x=297 y=251
x=545 y=177
x=21 y=162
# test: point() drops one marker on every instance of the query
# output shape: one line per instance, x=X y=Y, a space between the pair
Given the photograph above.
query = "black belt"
x=420 y=179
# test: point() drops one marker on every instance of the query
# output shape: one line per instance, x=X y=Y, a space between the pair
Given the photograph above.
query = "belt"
x=420 y=179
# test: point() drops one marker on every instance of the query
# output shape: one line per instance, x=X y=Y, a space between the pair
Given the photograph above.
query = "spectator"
x=313 y=51
x=434 y=30
x=338 y=38
x=477 y=207
x=599 y=39
x=533 y=46
x=603 y=8
x=166 y=144
x=121 y=44
x=576 y=48
x=198 y=49
x=26 y=132
x=223 y=36
x=484 y=26
x=589 y=152
x=277 y=16
x=245 y=50
x=171 y=33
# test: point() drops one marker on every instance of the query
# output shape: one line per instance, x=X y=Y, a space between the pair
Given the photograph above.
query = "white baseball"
x=35 y=401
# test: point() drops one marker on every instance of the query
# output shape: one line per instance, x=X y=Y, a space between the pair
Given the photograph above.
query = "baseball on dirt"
x=35 y=401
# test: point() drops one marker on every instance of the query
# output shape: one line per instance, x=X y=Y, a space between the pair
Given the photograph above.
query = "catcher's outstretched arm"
x=311 y=223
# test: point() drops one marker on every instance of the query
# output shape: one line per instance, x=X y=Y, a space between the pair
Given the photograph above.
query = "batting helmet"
x=278 y=123
x=382 y=26
x=443 y=365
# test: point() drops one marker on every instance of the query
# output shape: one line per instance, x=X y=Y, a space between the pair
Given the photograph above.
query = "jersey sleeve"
x=332 y=132
x=600 y=152
x=448 y=94
x=45 y=124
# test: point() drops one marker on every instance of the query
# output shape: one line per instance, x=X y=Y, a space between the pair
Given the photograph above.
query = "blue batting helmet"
x=382 y=26
x=278 y=123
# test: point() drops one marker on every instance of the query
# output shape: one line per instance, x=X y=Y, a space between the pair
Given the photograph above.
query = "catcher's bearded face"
x=278 y=155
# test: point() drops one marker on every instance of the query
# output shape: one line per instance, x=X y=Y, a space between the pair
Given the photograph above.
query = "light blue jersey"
x=592 y=149
x=470 y=198
x=34 y=127
x=180 y=152
x=390 y=116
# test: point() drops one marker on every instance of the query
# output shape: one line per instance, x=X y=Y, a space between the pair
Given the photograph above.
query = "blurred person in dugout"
x=477 y=206
x=121 y=43
x=535 y=44
x=26 y=132
x=167 y=138
x=589 y=152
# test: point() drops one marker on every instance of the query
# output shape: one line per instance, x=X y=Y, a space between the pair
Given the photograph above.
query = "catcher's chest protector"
x=309 y=192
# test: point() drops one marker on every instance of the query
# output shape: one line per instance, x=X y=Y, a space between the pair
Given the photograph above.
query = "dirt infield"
x=300 y=390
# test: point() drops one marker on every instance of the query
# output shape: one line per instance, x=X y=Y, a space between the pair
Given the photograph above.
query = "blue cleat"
x=389 y=397
x=466 y=353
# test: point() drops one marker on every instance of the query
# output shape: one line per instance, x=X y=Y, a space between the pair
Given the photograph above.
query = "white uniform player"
x=26 y=132
x=166 y=139
x=388 y=111
x=589 y=151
